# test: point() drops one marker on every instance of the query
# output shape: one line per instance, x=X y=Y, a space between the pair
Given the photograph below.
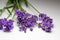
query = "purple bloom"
x=4 y=21
x=10 y=22
x=28 y=24
x=48 y=29
x=6 y=25
x=8 y=28
x=35 y=17
x=20 y=13
x=49 y=20
x=26 y=19
x=27 y=15
x=46 y=24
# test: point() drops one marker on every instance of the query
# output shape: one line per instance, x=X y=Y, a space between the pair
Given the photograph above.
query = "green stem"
x=33 y=7
x=21 y=7
x=17 y=4
x=9 y=13
x=4 y=9
x=7 y=7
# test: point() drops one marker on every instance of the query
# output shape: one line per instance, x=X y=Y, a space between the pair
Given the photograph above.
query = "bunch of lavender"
x=6 y=25
x=26 y=20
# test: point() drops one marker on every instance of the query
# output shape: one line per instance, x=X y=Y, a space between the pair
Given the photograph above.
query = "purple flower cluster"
x=46 y=23
x=6 y=25
x=26 y=20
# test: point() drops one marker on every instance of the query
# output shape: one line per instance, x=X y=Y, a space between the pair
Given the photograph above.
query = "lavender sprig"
x=46 y=24
x=26 y=20
x=6 y=25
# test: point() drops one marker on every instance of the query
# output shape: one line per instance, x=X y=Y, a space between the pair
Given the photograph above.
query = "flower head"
x=26 y=20
x=46 y=24
x=6 y=25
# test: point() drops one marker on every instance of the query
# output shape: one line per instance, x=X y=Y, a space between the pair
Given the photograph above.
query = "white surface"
x=51 y=8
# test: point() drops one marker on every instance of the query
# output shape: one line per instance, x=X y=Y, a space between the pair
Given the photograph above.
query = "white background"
x=50 y=7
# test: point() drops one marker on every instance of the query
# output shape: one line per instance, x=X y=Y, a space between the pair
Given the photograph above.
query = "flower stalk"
x=9 y=13
x=33 y=7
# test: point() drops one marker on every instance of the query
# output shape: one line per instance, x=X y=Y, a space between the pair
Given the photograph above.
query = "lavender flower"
x=26 y=20
x=6 y=25
x=46 y=24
